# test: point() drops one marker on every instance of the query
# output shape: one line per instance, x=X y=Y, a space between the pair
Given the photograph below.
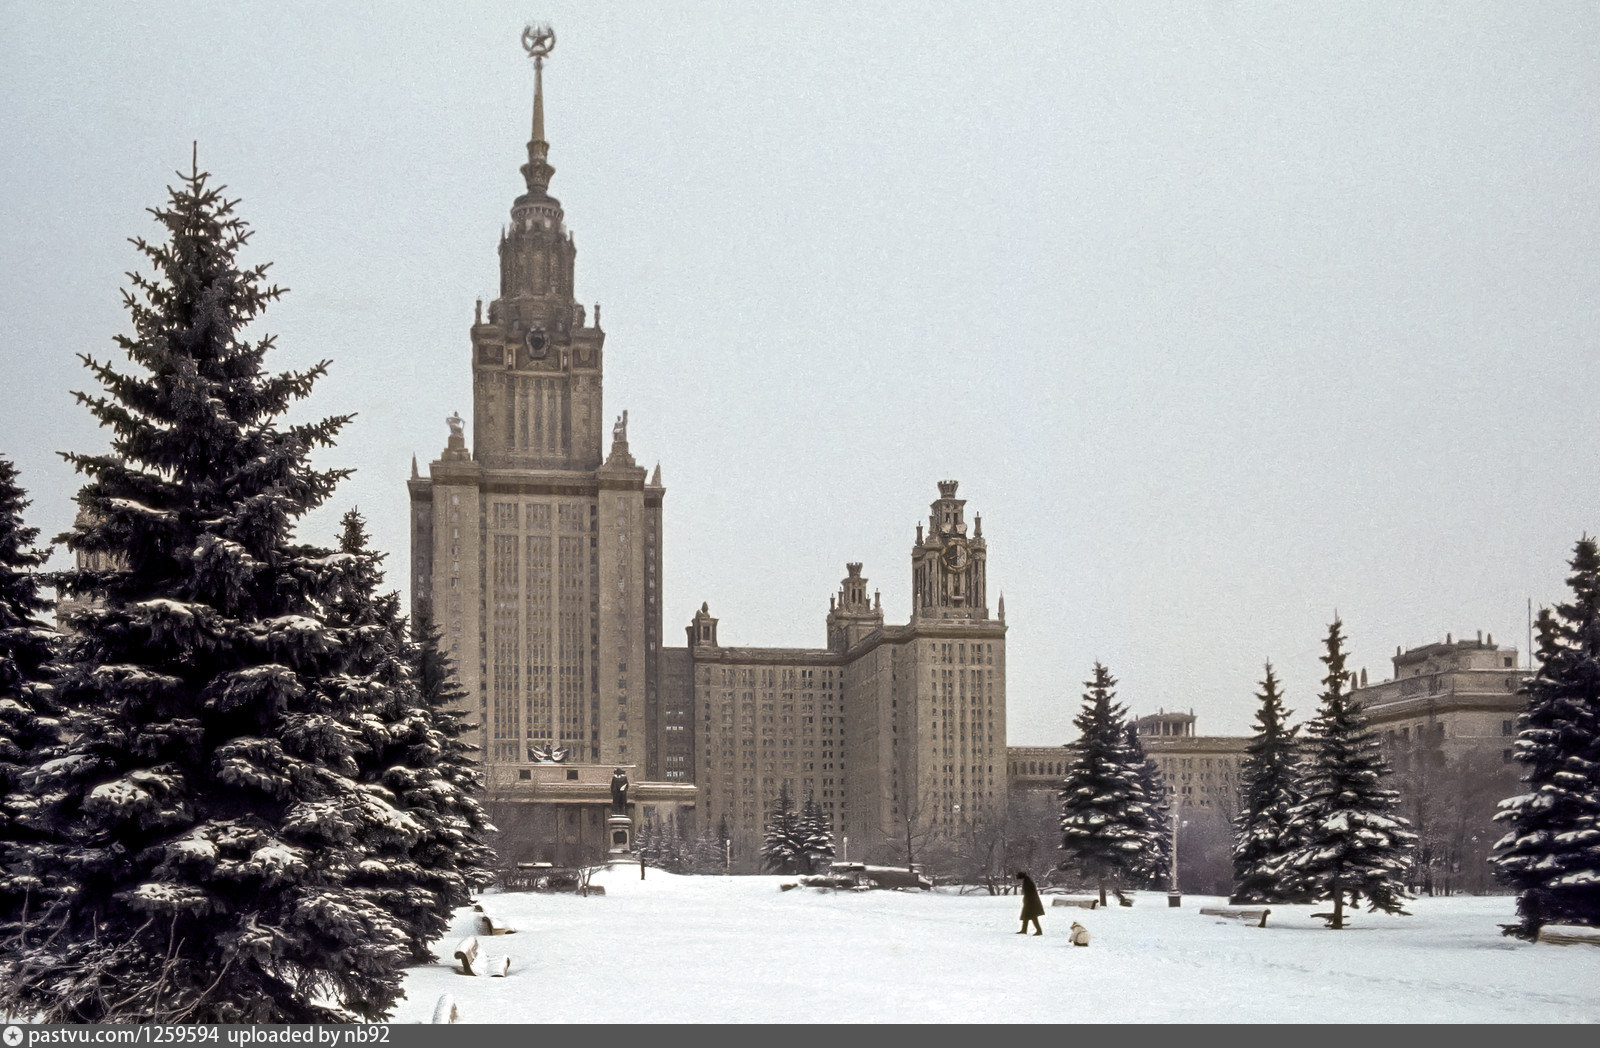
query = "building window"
x=1505 y=727
x=1505 y=756
x=523 y=774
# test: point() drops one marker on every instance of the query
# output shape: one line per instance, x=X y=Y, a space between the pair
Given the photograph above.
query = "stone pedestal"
x=619 y=832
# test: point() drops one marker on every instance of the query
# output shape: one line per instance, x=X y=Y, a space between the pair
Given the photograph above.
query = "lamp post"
x=1174 y=896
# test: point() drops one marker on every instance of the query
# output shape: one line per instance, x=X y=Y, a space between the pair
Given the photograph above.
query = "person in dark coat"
x=1032 y=907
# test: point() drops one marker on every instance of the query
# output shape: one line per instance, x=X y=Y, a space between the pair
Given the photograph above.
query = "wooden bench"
x=1086 y=904
x=487 y=925
x=1257 y=918
x=467 y=954
x=1570 y=935
x=474 y=963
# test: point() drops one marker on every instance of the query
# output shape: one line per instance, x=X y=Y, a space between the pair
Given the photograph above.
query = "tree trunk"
x=1338 y=909
x=1102 y=894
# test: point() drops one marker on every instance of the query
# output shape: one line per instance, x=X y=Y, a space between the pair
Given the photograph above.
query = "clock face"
x=954 y=555
x=537 y=344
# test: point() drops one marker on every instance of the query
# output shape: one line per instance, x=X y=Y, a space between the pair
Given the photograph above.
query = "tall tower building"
x=538 y=549
x=925 y=745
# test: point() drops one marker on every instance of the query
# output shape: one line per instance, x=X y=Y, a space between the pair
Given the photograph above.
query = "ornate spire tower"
x=949 y=569
x=539 y=553
x=536 y=359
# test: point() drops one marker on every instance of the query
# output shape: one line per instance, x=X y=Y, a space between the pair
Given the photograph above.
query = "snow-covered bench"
x=1257 y=918
x=487 y=925
x=1087 y=904
x=473 y=964
x=1569 y=934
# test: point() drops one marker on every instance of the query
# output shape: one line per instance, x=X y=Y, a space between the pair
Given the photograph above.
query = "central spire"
x=538 y=41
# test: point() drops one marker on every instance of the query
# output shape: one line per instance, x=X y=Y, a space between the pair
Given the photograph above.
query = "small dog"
x=1080 y=934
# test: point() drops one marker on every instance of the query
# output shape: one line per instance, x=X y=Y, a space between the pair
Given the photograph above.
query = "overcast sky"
x=1225 y=315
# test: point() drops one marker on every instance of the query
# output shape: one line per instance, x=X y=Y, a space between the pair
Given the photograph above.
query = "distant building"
x=887 y=725
x=1201 y=770
x=1035 y=767
x=1448 y=721
x=1202 y=773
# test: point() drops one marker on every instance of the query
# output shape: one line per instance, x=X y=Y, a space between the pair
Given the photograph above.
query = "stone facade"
x=1448 y=718
x=887 y=728
x=539 y=557
x=1201 y=770
x=538 y=551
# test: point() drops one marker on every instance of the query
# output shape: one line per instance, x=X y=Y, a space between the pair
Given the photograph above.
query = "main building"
x=538 y=551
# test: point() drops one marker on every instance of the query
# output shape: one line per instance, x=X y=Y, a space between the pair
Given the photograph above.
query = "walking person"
x=1032 y=907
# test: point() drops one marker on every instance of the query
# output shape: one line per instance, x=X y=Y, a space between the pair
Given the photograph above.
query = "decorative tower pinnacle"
x=851 y=616
x=538 y=41
x=949 y=563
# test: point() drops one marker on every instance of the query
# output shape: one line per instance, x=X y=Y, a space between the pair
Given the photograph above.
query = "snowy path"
x=714 y=949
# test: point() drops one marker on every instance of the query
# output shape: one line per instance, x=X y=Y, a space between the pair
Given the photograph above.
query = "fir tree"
x=816 y=836
x=646 y=842
x=458 y=849
x=28 y=725
x=1154 y=864
x=678 y=851
x=706 y=855
x=1104 y=818
x=1270 y=790
x=424 y=879
x=1551 y=849
x=1353 y=841
x=207 y=803
x=782 y=848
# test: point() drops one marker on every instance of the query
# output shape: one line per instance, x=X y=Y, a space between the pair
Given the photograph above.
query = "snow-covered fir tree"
x=456 y=850
x=28 y=726
x=1154 y=865
x=1104 y=819
x=1353 y=843
x=705 y=854
x=659 y=844
x=421 y=880
x=206 y=802
x=647 y=841
x=1551 y=849
x=677 y=851
x=782 y=846
x=816 y=836
x=1269 y=789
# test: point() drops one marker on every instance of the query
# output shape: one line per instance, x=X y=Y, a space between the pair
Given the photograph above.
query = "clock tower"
x=948 y=565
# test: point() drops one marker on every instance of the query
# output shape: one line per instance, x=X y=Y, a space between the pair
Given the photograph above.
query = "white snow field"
x=736 y=949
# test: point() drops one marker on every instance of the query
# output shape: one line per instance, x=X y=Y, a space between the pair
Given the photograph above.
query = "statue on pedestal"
x=619 y=792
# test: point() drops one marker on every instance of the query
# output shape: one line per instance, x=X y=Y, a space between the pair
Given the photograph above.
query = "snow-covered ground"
x=736 y=949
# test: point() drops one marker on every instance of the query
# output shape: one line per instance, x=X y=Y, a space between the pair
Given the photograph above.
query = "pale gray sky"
x=1225 y=315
